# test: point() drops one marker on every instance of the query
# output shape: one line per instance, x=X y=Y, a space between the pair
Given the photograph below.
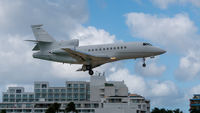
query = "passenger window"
x=104 y=49
x=88 y=49
x=121 y=47
x=111 y=48
x=125 y=47
x=95 y=49
x=99 y=49
x=114 y=48
x=92 y=49
x=107 y=48
x=117 y=47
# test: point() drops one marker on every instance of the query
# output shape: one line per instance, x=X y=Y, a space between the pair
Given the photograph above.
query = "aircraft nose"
x=160 y=51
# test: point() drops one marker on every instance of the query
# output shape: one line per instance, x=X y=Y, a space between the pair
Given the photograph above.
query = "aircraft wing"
x=80 y=56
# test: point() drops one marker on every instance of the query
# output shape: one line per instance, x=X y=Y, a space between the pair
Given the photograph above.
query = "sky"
x=169 y=80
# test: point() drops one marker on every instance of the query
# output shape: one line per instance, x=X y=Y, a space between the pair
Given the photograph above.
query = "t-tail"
x=41 y=36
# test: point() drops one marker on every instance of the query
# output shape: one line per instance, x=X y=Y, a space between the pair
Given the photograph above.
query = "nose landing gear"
x=144 y=64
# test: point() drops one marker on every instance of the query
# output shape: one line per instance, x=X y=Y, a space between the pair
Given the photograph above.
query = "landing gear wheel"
x=144 y=64
x=91 y=72
x=88 y=67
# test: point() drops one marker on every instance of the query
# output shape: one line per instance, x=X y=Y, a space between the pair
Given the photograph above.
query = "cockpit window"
x=147 y=44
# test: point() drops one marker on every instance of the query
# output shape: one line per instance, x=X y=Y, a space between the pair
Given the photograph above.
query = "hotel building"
x=95 y=96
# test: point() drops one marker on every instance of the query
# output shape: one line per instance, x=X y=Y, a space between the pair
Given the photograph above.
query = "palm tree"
x=54 y=108
x=177 y=111
x=71 y=107
x=3 y=111
x=50 y=110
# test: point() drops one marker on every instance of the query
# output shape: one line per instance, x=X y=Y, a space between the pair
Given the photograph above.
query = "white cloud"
x=163 y=4
x=195 y=90
x=90 y=35
x=136 y=84
x=160 y=89
x=159 y=92
x=151 y=70
x=17 y=16
x=176 y=33
x=189 y=66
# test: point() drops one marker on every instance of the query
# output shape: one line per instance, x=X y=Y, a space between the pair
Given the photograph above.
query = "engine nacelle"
x=73 y=43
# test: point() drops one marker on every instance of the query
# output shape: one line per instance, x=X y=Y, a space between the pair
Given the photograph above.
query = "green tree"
x=54 y=108
x=194 y=111
x=177 y=111
x=162 y=110
x=71 y=107
x=3 y=111
x=50 y=110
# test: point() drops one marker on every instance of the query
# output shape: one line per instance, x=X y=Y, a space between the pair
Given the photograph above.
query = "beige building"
x=95 y=96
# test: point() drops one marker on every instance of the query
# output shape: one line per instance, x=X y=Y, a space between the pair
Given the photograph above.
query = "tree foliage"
x=54 y=108
x=194 y=111
x=162 y=110
x=3 y=111
x=71 y=107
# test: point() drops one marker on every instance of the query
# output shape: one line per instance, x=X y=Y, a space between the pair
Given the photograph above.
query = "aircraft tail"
x=40 y=34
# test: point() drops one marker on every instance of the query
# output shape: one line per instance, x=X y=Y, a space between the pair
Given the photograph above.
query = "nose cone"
x=160 y=51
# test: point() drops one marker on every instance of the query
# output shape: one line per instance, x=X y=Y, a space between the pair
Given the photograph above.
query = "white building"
x=96 y=96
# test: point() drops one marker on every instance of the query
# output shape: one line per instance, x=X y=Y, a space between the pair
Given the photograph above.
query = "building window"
x=31 y=96
x=12 y=91
x=63 y=90
x=75 y=85
x=5 y=96
x=69 y=85
x=56 y=90
x=24 y=96
x=82 y=85
x=75 y=90
x=37 y=85
x=50 y=90
x=69 y=90
x=44 y=90
x=44 y=85
x=37 y=90
x=18 y=91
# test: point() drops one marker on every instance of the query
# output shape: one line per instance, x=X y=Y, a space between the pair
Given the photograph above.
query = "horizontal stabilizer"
x=36 y=41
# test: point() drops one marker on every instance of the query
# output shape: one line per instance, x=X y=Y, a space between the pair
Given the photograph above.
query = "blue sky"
x=168 y=80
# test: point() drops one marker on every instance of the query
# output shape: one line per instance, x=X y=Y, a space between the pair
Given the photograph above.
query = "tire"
x=91 y=72
x=144 y=65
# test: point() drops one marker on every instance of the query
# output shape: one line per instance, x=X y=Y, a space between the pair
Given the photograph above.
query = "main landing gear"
x=144 y=64
x=89 y=68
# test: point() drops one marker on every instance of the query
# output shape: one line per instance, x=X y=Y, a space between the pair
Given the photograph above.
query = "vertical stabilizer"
x=40 y=34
